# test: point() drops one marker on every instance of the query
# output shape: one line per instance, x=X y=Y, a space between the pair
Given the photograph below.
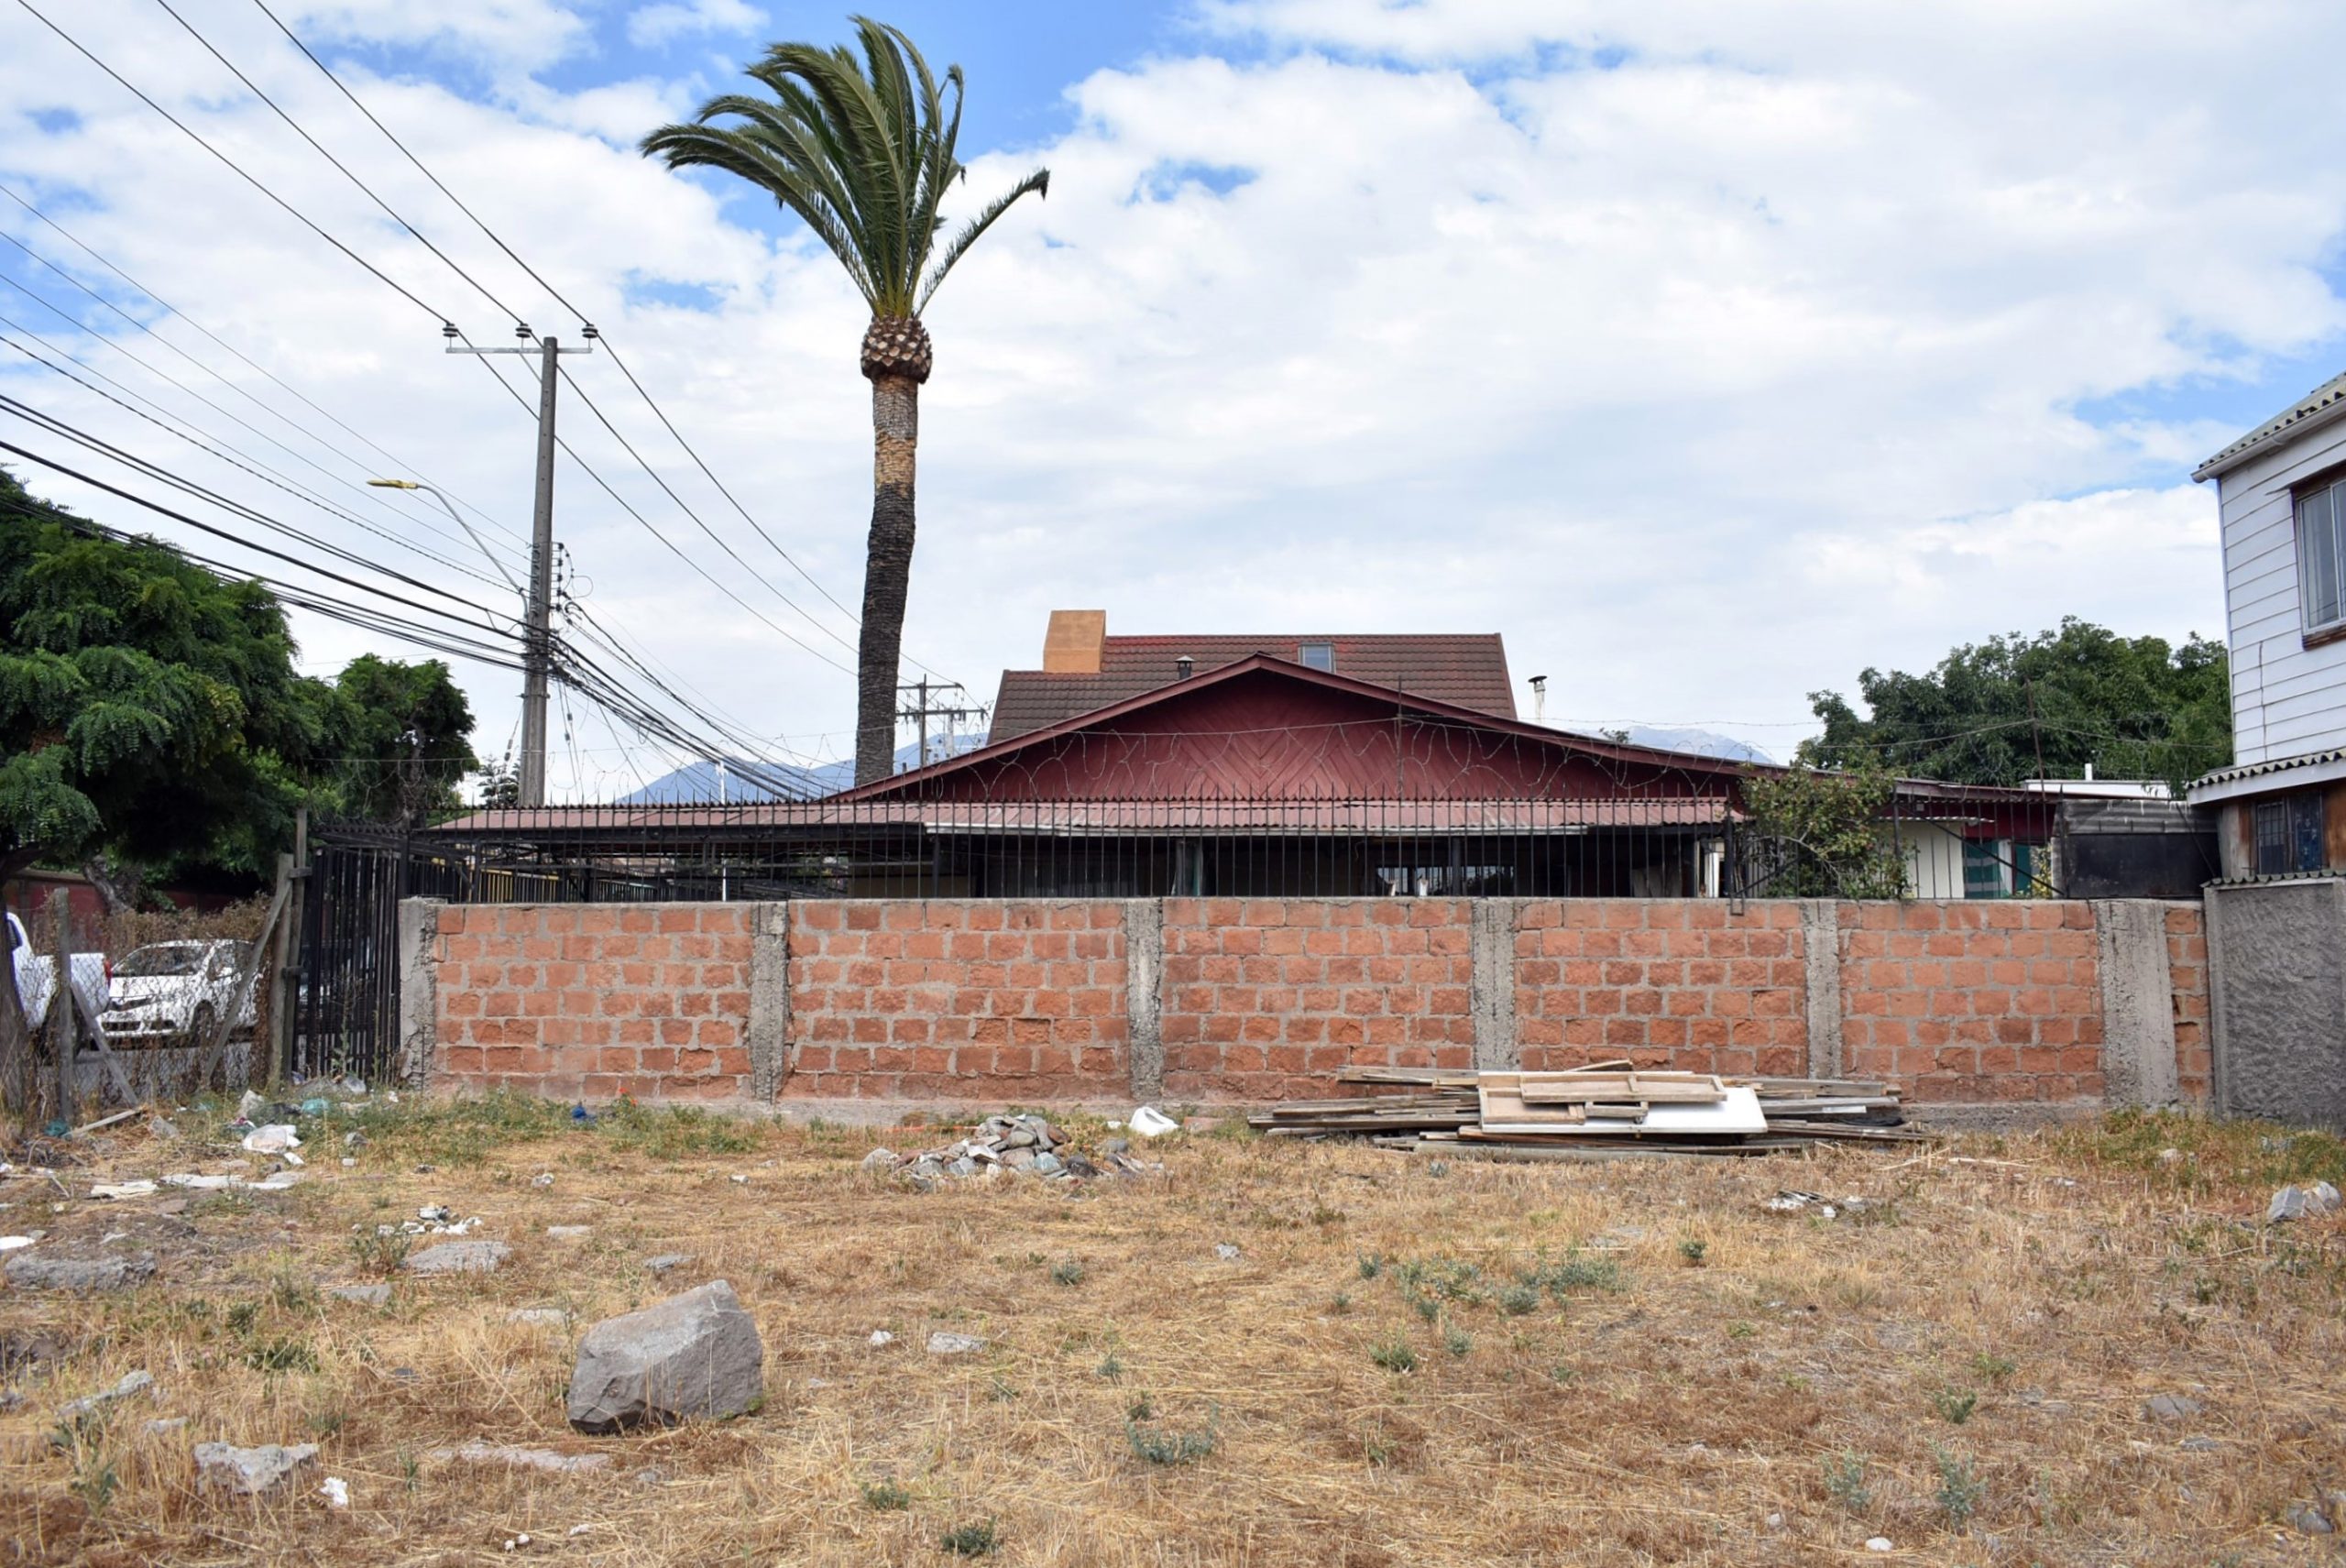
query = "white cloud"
x=1708 y=378
x=650 y=26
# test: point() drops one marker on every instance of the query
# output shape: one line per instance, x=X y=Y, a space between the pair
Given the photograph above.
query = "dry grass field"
x=1406 y=1363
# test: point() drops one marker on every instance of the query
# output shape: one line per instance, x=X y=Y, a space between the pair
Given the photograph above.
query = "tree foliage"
x=151 y=720
x=2133 y=708
x=1821 y=834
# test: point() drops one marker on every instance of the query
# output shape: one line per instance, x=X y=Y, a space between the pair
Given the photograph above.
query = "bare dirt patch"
x=1403 y=1364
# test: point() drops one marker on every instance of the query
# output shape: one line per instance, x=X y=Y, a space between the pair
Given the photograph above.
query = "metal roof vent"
x=1184 y=667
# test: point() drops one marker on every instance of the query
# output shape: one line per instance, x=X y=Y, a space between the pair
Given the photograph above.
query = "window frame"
x=1304 y=651
x=2295 y=828
x=2330 y=491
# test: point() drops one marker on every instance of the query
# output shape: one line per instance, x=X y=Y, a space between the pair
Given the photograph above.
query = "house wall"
x=2288 y=700
x=2050 y=1004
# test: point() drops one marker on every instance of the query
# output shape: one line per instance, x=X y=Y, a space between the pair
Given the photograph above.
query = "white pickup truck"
x=166 y=991
x=36 y=978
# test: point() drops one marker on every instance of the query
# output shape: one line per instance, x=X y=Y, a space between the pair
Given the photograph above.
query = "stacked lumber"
x=1605 y=1110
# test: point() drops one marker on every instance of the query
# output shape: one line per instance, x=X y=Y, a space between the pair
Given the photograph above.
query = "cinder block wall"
x=2049 y=1004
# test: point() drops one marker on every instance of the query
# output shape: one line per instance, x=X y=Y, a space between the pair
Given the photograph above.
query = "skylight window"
x=1318 y=656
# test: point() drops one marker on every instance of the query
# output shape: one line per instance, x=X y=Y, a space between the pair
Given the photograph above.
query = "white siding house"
x=2281 y=491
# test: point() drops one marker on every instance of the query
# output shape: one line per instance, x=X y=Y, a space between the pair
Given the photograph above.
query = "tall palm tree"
x=862 y=151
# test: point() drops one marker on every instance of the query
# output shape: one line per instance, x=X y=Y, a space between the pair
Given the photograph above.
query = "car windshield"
x=151 y=962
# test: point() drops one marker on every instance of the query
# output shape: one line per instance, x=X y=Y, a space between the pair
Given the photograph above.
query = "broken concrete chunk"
x=108 y=1271
x=667 y=1261
x=539 y=1317
x=942 y=1344
x=512 y=1458
x=2172 y=1406
x=221 y=1466
x=132 y=1383
x=459 y=1257
x=880 y=1159
x=693 y=1355
x=365 y=1295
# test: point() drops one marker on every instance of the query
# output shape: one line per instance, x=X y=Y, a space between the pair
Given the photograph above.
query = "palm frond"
x=1039 y=182
x=859 y=142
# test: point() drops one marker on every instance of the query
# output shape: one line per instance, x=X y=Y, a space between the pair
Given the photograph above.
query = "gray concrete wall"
x=769 y=1025
x=2138 y=1065
x=1145 y=997
x=2277 y=963
x=1490 y=989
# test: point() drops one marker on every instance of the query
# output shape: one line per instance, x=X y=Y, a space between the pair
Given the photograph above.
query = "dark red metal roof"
x=1465 y=671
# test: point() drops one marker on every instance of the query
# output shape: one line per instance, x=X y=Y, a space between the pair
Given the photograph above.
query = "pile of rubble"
x=1023 y=1144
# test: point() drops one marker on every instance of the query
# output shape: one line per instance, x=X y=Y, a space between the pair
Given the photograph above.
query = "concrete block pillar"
x=1820 y=948
x=769 y=1029
x=2137 y=1002
x=418 y=959
x=1145 y=996
x=1491 y=995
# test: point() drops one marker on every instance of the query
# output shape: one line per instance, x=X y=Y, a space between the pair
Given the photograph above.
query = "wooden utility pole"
x=61 y=1007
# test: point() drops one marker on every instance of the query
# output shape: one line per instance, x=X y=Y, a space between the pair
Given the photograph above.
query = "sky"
x=1711 y=353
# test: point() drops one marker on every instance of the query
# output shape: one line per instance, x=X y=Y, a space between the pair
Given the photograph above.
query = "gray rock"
x=2172 y=1407
x=459 y=1257
x=693 y=1355
x=2321 y=1197
x=513 y=1458
x=880 y=1159
x=660 y=1265
x=1115 y=1145
x=962 y=1166
x=2289 y=1203
x=943 y=1343
x=1021 y=1139
x=2306 y=1519
x=132 y=1383
x=2199 y=1445
x=539 y=1317
x=164 y=1427
x=365 y=1295
x=1023 y=1157
x=221 y=1466
x=32 y=1270
x=570 y=1233
x=1077 y=1166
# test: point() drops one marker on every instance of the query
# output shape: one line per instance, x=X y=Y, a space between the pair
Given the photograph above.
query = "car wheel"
x=200 y=1025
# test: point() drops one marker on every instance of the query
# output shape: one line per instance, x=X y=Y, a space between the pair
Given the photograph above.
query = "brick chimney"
x=1073 y=644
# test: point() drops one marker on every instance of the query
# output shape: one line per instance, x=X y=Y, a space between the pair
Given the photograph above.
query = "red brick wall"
x=1973 y=1001
x=1267 y=999
x=1025 y=1000
x=1005 y=1000
x=1679 y=984
x=595 y=1000
x=2187 y=958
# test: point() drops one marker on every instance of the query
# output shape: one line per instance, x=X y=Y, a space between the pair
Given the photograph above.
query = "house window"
x=1983 y=870
x=2290 y=834
x=1318 y=656
x=2322 y=556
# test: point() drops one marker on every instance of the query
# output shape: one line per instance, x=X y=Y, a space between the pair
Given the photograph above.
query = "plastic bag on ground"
x=275 y=1138
x=1151 y=1123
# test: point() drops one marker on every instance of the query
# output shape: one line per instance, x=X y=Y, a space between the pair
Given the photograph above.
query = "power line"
x=295 y=213
x=393 y=458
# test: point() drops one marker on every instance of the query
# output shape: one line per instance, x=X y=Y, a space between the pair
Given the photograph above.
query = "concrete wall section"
x=2138 y=1049
x=2276 y=957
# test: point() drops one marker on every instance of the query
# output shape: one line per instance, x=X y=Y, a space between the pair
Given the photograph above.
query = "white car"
x=169 y=990
x=36 y=977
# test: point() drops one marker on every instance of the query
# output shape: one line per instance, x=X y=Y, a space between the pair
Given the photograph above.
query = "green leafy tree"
x=1820 y=835
x=2133 y=708
x=149 y=711
x=402 y=732
x=862 y=151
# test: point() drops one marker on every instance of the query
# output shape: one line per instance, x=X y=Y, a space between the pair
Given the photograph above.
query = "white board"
x=1738 y=1112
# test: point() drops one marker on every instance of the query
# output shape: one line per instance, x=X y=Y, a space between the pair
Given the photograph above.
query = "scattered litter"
x=580 y=1113
x=1880 y=1543
x=275 y=1138
x=293 y=1160
x=518 y=1541
x=943 y=1343
x=164 y=1427
x=578 y=1530
x=1226 y=1251
x=1025 y=1145
x=122 y=1189
x=543 y=1178
x=249 y=1106
x=1790 y=1201
x=1151 y=1123
x=317 y=1106
x=881 y=1336
x=2172 y=1406
x=250 y=1471
x=337 y=1492
x=435 y=1213
x=10 y=1244
x=539 y=1317
x=348 y=1162
x=740 y=1181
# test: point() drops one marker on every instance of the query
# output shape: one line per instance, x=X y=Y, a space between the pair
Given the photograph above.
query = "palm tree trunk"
x=887 y=571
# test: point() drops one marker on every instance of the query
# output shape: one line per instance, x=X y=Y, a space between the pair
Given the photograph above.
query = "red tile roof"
x=1466 y=671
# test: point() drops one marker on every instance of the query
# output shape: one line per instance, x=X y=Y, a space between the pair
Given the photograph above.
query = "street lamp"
x=452 y=511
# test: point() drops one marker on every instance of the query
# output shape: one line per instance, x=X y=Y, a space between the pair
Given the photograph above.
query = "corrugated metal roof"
x=1466 y=669
x=2322 y=400
x=2278 y=765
